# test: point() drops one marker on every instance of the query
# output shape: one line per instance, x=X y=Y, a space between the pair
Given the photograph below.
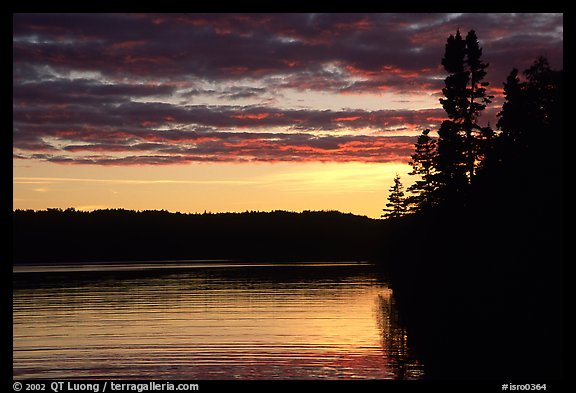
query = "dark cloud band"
x=119 y=89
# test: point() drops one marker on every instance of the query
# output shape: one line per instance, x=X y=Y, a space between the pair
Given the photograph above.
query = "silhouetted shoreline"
x=56 y=235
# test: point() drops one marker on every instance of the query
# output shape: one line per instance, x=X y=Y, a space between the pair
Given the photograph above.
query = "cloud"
x=218 y=46
x=238 y=147
x=83 y=91
x=121 y=89
x=66 y=131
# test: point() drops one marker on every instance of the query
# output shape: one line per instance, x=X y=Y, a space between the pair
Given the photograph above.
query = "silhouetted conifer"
x=459 y=146
x=513 y=119
x=531 y=115
x=424 y=190
x=397 y=203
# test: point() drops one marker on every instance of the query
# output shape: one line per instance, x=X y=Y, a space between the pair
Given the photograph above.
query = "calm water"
x=207 y=321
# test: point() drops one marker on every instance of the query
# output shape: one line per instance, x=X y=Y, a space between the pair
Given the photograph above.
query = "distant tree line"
x=466 y=156
x=59 y=235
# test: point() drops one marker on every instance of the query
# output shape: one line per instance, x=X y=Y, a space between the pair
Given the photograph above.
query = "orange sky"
x=359 y=188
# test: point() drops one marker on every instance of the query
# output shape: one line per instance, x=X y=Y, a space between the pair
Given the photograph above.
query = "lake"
x=207 y=320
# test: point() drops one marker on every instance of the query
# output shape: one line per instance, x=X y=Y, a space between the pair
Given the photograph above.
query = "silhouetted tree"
x=532 y=111
x=424 y=190
x=545 y=98
x=495 y=176
x=459 y=146
x=514 y=118
x=397 y=203
x=450 y=165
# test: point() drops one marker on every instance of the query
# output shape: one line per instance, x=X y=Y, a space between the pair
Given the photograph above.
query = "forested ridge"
x=127 y=235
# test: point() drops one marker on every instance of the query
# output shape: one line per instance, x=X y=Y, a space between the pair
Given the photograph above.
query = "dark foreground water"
x=207 y=321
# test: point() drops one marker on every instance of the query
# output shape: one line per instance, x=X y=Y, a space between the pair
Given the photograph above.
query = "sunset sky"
x=236 y=112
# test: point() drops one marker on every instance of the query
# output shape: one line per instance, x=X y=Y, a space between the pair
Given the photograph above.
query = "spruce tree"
x=531 y=121
x=476 y=136
x=512 y=118
x=532 y=108
x=397 y=204
x=424 y=189
x=459 y=149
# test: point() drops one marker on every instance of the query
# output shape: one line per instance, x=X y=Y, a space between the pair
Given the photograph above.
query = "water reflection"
x=395 y=340
x=248 y=322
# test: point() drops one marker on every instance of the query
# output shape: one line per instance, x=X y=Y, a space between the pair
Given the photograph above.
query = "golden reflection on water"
x=212 y=324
